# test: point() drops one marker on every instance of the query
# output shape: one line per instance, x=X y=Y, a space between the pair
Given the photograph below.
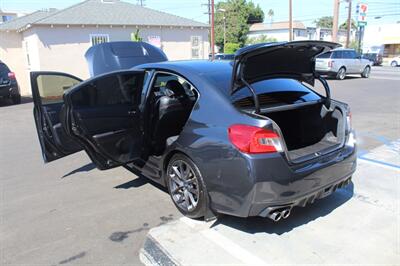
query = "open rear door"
x=104 y=115
x=47 y=91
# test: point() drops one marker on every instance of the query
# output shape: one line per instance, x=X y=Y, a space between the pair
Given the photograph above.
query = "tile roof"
x=102 y=12
x=20 y=22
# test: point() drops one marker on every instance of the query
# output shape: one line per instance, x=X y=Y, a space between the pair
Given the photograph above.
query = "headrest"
x=176 y=87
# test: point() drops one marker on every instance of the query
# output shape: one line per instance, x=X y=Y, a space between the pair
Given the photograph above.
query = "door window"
x=337 y=54
x=110 y=90
x=51 y=87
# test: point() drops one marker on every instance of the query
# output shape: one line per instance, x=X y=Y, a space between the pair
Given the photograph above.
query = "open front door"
x=47 y=91
x=103 y=115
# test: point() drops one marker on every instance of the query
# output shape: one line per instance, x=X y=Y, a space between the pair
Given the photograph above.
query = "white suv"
x=340 y=62
x=395 y=61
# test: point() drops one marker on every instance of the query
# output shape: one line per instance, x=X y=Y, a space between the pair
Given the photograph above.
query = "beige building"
x=57 y=40
x=280 y=31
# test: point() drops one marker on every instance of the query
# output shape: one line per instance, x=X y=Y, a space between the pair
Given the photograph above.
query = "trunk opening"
x=309 y=130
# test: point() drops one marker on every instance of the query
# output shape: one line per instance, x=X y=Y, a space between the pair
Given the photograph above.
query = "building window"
x=99 y=38
x=196 y=46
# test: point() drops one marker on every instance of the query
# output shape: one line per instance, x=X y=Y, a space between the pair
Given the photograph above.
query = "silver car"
x=340 y=62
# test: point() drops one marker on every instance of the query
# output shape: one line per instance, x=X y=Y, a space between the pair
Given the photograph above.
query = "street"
x=67 y=211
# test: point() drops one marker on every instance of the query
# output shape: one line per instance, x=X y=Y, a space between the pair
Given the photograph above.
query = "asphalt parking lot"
x=67 y=211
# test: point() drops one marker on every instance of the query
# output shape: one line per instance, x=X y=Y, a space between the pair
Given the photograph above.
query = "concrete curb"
x=153 y=254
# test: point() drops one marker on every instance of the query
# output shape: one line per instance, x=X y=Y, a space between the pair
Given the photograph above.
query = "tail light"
x=330 y=63
x=11 y=75
x=251 y=139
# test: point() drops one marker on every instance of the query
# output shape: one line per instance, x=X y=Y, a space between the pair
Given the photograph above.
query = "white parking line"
x=229 y=246
x=384 y=78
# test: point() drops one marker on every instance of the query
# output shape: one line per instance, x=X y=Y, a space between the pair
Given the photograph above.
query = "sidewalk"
x=356 y=225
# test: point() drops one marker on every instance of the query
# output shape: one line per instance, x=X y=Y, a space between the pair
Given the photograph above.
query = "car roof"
x=217 y=73
x=197 y=66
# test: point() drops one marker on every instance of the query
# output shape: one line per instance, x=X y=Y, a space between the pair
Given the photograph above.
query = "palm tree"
x=270 y=15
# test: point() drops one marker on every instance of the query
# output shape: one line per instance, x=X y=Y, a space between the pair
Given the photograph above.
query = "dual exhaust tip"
x=277 y=215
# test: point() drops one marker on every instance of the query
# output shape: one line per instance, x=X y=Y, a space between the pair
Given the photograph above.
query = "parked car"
x=245 y=139
x=224 y=56
x=9 y=88
x=395 y=61
x=340 y=62
x=375 y=58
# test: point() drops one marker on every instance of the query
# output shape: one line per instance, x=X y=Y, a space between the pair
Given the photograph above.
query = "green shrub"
x=231 y=48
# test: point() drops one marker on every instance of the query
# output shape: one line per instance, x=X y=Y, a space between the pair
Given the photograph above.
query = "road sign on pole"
x=361 y=11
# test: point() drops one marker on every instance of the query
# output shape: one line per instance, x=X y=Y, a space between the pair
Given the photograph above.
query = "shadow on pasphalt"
x=299 y=216
x=140 y=181
x=86 y=168
x=7 y=102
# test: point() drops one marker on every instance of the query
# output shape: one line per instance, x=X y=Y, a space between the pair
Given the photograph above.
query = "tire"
x=179 y=187
x=16 y=99
x=341 y=74
x=394 y=64
x=366 y=72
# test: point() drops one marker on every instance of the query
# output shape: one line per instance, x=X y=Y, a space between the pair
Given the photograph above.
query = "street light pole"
x=224 y=19
x=348 y=26
x=336 y=4
x=212 y=31
x=290 y=21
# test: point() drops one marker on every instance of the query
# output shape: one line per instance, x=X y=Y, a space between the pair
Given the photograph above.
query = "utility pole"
x=290 y=21
x=212 y=30
x=209 y=19
x=335 y=20
x=141 y=2
x=348 y=26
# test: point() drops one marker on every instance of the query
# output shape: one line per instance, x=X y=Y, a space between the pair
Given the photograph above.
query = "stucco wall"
x=12 y=53
x=62 y=48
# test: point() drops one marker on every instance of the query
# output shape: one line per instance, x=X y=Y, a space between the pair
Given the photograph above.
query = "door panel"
x=103 y=115
x=47 y=91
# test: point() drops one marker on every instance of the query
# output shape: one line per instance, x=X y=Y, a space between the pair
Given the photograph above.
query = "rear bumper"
x=273 y=183
x=8 y=91
x=326 y=72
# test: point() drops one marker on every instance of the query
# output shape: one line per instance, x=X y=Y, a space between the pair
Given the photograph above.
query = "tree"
x=327 y=22
x=324 y=22
x=135 y=36
x=271 y=15
x=231 y=48
x=239 y=14
x=343 y=26
x=261 y=39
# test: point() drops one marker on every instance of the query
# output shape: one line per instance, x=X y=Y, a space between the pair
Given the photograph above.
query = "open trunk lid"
x=294 y=60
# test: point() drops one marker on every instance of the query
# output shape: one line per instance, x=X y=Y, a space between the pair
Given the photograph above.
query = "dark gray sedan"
x=245 y=138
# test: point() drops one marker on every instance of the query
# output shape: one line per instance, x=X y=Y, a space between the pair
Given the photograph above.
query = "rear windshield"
x=4 y=71
x=325 y=55
x=275 y=92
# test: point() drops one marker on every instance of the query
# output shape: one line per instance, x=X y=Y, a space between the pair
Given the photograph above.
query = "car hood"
x=112 y=56
x=283 y=59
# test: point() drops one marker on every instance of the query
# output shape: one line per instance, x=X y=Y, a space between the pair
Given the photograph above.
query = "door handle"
x=132 y=112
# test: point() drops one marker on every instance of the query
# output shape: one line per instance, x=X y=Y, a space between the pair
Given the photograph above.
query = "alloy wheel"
x=184 y=185
x=366 y=72
x=342 y=73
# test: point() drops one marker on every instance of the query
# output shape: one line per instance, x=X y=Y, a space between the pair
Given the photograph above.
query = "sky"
x=303 y=10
